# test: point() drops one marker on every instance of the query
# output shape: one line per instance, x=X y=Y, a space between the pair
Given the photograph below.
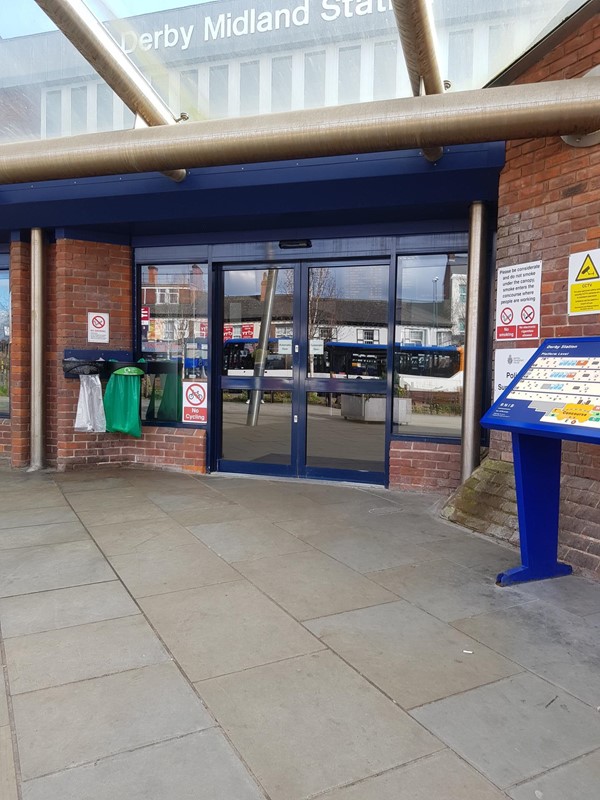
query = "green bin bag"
x=122 y=402
x=172 y=399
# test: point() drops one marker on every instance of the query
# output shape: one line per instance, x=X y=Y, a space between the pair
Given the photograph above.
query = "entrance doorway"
x=305 y=365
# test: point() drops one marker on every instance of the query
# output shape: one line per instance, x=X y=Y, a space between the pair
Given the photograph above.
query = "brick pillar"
x=83 y=276
x=20 y=355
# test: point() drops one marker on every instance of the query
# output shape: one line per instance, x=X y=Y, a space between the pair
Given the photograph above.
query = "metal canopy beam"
x=415 y=27
x=416 y=30
x=552 y=108
x=99 y=49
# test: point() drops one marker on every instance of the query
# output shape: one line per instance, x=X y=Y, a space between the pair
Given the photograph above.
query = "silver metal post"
x=475 y=330
x=263 y=345
x=37 y=351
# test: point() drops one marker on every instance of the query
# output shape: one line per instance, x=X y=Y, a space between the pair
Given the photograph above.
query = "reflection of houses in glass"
x=174 y=307
x=341 y=320
x=431 y=303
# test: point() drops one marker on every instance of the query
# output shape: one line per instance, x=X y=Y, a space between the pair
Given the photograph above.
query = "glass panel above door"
x=347 y=321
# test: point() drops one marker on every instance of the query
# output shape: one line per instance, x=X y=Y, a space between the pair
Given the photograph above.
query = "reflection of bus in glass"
x=417 y=367
x=352 y=360
x=429 y=367
x=239 y=356
x=336 y=359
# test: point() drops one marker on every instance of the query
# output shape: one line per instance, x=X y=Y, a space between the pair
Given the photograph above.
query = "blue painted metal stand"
x=537 y=476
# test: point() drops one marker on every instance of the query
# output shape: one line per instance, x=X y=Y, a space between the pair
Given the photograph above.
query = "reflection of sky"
x=25 y=16
x=353 y=283
x=421 y=278
x=247 y=282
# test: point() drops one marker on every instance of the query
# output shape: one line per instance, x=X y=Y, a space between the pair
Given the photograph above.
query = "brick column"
x=20 y=354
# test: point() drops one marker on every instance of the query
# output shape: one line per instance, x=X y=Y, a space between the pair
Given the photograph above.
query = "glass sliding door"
x=257 y=371
x=346 y=370
x=305 y=354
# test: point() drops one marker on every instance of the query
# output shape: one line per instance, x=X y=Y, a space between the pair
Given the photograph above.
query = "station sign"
x=518 y=302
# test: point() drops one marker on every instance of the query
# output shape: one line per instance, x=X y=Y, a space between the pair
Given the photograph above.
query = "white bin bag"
x=90 y=409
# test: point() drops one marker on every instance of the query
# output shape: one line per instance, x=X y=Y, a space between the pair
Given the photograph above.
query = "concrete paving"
x=167 y=637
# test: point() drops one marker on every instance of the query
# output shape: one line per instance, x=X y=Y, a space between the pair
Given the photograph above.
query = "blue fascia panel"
x=402 y=179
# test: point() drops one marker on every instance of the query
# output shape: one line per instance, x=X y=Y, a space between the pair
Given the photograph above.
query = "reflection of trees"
x=322 y=305
x=4 y=344
x=322 y=308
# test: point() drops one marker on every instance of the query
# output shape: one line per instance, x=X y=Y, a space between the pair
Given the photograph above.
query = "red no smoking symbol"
x=195 y=394
x=98 y=322
x=506 y=316
x=527 y=313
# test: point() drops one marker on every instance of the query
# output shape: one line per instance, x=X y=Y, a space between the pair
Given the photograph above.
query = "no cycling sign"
x=195 y=405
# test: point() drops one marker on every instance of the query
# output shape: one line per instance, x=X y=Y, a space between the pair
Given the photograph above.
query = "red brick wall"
x=82 y=277
x=5 y=438
x=424 y=466
x=20 y=352
x=549 y=207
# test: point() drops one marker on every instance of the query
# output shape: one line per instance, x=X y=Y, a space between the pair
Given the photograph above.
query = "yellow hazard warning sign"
x=584 y=282
x=587 y=271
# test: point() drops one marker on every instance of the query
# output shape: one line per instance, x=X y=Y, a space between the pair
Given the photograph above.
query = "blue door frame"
x=300 y=384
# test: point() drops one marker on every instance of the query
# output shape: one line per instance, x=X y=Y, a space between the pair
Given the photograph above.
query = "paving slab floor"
x=174 y=637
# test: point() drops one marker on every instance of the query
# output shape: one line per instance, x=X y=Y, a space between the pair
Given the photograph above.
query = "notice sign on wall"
x=584 y=282
x=98 y=327
x=518 y=302
x=195 y=403
x=507 y=365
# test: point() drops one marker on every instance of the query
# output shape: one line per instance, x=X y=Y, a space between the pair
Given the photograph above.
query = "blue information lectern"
x=556 y=396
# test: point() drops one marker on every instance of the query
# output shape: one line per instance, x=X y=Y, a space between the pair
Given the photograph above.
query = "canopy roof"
x=231 y=58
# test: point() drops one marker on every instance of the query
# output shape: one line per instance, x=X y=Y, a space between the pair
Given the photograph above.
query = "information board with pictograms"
x=556 y=394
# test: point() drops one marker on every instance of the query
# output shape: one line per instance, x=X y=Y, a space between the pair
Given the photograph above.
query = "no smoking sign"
x=518 y=301
x=194 y=402
x=98 y=327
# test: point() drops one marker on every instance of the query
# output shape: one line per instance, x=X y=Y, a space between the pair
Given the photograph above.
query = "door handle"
x=295 y=418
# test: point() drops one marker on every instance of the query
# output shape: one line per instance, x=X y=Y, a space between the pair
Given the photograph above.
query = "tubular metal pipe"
x=99 y=49
x=552 y=108
x=474 y=342
x=263 y=345
x=37 y=352
x=416 y=30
